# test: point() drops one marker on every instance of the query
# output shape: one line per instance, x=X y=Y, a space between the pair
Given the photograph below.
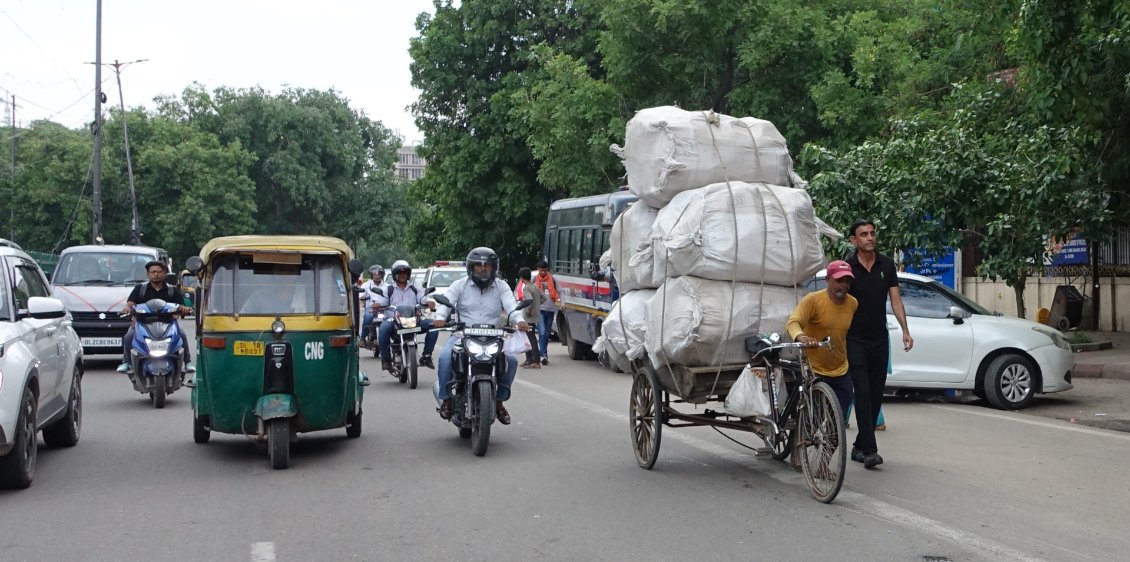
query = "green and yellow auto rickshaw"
x=276 y=320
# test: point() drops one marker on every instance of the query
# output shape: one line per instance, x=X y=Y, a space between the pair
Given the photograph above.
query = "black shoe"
x=545 y=361
x=501 y=413
x=386 y=364
x=426 y=361
x=445 y=409
x=857 y=454
x=871 y=460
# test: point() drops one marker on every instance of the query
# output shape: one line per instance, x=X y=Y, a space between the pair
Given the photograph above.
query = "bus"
x=577 y=232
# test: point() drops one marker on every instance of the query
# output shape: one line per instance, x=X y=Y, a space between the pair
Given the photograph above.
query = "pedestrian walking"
x=532 y=315
x=545 y=283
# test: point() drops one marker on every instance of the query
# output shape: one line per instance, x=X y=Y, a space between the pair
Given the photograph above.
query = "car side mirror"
x=44 y=308
x=958 y=314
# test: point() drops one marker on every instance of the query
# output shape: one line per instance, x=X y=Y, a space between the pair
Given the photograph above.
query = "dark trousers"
x=867 y=365
x=842 y=386
x=534 y=354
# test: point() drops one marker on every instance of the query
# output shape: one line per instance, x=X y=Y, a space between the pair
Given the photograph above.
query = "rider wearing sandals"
x=480 y=298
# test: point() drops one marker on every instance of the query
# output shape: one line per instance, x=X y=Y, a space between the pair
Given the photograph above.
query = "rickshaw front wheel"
x=278 y=442
x=353 y=424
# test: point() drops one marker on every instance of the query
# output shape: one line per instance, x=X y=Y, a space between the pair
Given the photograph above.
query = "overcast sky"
x=357 y=47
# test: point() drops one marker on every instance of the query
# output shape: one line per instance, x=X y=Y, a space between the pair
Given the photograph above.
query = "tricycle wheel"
x=278 y=442
x=823 y=443
x=484 y=416
x=200 y=431
x=783 y=444
x=646 y=416
x=353 y=424
x=410 y=365
x=158 y=393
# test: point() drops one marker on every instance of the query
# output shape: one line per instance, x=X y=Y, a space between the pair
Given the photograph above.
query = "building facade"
x=409 y=165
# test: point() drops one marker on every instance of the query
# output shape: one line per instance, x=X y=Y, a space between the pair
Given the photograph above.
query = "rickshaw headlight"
x=157 y=348
x=277 y=327
x=408 y=321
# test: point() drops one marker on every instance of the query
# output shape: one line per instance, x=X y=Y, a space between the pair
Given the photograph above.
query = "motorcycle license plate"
x=408 y=331
x=247 y=347
x=101 y=342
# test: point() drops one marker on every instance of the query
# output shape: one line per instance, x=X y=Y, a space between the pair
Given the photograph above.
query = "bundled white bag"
x=757 y=232
x=747 y=397
x=690 y=317
x=631 y=249
x=624 y=330
x=516 y=344
x=668 y=150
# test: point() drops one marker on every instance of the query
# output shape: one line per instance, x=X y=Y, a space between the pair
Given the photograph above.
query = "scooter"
x=157 y=350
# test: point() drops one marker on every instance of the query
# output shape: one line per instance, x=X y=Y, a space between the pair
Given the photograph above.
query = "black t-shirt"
x=143 y=293
x=871 y=288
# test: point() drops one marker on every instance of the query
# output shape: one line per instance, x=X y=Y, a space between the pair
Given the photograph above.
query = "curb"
x=1101 y=371
x=1092 y=346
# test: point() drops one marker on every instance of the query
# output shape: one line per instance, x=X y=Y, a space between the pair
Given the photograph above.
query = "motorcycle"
x=477 y=361
x=407 y=325
x=157 y=350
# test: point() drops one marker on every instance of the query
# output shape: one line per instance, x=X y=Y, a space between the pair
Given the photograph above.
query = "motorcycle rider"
x=480 y=298
x=376 y=280
x=156 y=288
x=403 y=292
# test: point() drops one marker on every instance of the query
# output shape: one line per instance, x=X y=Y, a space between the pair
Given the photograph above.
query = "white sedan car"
x=40 y=369
x=958 y=344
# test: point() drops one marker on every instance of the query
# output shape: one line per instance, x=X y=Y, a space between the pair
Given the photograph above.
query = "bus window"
x=561 y=258
x=587 y=259
x=575 y=255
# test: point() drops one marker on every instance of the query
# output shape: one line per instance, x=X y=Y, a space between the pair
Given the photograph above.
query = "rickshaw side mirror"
x=194 y=265
x=355 y=268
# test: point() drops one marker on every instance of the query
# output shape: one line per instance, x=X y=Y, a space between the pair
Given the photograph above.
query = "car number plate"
x=101 y=342
x=408 y=331
x=247 y=347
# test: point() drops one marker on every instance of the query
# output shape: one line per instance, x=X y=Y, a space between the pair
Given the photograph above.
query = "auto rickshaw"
x=276 y=321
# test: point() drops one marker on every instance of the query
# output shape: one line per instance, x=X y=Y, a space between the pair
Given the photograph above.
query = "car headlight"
x=1056 y=336
x=408 y=321
x=158 y=348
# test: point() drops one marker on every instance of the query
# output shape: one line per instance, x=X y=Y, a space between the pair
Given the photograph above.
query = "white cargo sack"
x=757 y=233
x=631 y=249
x=668 y=150
x=625 y=328
x=690 y=317
x=746 y=397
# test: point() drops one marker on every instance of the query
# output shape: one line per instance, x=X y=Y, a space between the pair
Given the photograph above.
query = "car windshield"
x=101 y=268
x=316 y=285
x=446 y=278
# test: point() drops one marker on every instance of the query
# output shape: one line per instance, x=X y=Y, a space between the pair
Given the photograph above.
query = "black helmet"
x=401 y=266
x=483 y=255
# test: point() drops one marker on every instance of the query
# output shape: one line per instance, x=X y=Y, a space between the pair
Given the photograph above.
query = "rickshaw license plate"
x=408 y=331
x=247 y=348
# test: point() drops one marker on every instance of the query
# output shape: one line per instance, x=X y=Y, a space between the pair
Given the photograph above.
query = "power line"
x=41 y=52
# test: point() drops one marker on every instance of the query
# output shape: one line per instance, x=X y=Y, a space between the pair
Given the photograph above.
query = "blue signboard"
x=941 y=268
x=1073 y=251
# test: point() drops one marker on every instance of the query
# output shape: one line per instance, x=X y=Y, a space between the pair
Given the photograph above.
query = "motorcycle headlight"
x=157 y=348
x=473 y=347
x=408 y=321
x=1056 y=336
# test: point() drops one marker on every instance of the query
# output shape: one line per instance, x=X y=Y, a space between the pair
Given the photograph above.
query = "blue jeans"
x=504 y=383
x=384 y=337
x=367 y=323
x=544 y=327
x=843 y=388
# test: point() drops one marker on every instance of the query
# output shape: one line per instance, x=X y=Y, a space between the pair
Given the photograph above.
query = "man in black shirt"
x=156 y=288
x=868 y=344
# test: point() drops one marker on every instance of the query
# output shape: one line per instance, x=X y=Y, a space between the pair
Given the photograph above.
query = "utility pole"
x=135 y=225
x=96 y=224
x=12 y=210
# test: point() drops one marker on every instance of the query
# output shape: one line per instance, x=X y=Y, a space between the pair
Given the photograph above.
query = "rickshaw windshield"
x=315 y=285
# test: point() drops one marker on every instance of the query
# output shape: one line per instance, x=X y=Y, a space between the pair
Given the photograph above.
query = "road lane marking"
x=1024 y=418
x=262 y=552
x=852 y=501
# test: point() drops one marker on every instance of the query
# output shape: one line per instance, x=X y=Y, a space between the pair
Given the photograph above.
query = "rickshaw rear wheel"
x=353 y=424
x=200 y=431
x=823 y=443
x=645 y=413
x=158 y=393
x=278 y=442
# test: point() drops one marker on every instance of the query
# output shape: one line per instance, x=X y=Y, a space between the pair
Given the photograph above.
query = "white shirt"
x=410 y=295
x=480 y=306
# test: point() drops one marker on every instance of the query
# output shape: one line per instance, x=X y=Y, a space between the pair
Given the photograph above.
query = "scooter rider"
x=156 y=288
x=403 y=292
x=376 y=281
x=479 y=298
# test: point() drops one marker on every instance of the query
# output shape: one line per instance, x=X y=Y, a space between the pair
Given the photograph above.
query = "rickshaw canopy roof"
x=265 y=243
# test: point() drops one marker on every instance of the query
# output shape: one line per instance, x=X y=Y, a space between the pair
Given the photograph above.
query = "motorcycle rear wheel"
x=410 y=365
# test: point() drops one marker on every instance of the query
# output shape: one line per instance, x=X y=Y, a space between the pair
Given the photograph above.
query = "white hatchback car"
x=40 y=369
x=958 y=344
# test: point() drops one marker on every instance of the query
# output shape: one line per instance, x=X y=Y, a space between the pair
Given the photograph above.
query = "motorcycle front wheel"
x=483 y=417
x=158 y=393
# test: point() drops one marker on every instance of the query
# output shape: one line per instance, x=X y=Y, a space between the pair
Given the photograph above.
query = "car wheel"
x=1010 y=382
x=66 y=430
x=17 y=468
